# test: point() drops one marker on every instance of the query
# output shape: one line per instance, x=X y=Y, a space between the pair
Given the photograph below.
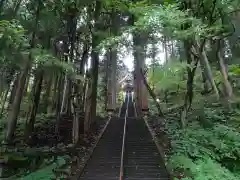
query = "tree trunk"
x=1 y=89
x=27 y=86
x=65 y=89
x=112 y=66
x=36 y=96
x=84 y=95
x=76 y=118
x=204 y=79
x=13 y=114
x=69 y=98
x=95 y=63
x=234 y=38
x=106 y=79
x=55 y=92
x=13 y=91
x=58 y=104
x=90 y=114
x=154 y=53
x=47 y=94
x=87 y=103
x=4 y=101
x=65 y=94
x=152 y=94
x=37 y=88
x=166 y=96
x=173 y=54
x=207 y=69
x=111 y=87
x=139 y=41
x=223 y=69
x=189 y=94
x=82 y=85
x=165 y=49
x=66 y=103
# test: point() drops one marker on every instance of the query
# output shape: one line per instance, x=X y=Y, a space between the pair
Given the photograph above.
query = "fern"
x=206 y=153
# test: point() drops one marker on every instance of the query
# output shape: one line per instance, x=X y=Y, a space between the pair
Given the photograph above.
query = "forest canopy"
x=61 y=64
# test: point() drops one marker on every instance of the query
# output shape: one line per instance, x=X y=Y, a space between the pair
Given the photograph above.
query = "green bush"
x=206 y=153
x=201 y=169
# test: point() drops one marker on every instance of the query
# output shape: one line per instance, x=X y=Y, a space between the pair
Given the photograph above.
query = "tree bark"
x=37 y=88
x=13 y=91
x=83 y=84
x=65 y=94
x=207 y=69
x=106 y=79
x=165 y=49
x=204 y=79
x=55 y=92
x=58 y=104
x=4 y=100
x=1 y=89
x=47 y=94
x=36 y=96
x=13 y=114
x=223 y=69
x=90 y=114
x=139 y=41
x=112 y=69
x=152 y=94
x=111 y=87
x=189 y=94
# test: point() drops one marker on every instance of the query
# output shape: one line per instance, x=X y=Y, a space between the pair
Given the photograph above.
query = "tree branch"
x=151 y=93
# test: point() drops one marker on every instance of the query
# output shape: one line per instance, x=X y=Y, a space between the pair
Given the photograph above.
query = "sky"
x=128 y=60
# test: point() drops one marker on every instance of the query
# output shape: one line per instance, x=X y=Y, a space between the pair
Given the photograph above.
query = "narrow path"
x=142 y=160
x=134 y=158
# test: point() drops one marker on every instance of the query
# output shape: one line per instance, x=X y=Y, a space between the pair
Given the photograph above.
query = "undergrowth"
x=40 y=120
x=206 y=152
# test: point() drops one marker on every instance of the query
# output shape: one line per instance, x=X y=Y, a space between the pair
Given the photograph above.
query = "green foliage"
x=217 y=143
x=114 y=42
x=46 y=172
x=168 y=76
x=178 y=22
x=12 y=35
x=234 y=70
x=12 y=39
x=167 y=19
x=118 y=5
x=12 y=44
x=206 y=153
x=200 y=151
x=47 y=59
x=202 y=169
x=172 y=20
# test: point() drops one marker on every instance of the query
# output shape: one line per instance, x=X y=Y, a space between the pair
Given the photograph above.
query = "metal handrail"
x=123 y=142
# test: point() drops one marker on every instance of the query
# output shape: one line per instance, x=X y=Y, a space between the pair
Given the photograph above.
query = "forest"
x=60 y=58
